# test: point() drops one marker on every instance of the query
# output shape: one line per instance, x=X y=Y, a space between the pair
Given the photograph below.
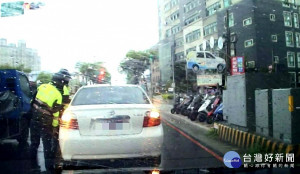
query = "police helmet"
x=62 y=77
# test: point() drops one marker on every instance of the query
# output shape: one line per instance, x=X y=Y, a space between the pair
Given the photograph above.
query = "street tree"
x=135 y=64
x=91 y=71
x=19 y=68
x=44 y=77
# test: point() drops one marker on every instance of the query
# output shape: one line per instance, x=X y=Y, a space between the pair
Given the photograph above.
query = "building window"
x=173 y=3
x=192 y=19
x=170 y=5
x=227 y=3
x=289 y=39
x=286 y=4
x=291 y=59
x=247 y=21
x=179 y=42
x=167 y=7
x=231 y=20
x=287 y=16
x=190 y=49
x=293 y=78
x=272 y=17
x=213 y=9
x=248 y=43
x=297 y=35
x=210 y=29
x=174 y=16
x=274 y=38
x=179 y=56
x=168 y=33
x=296 y=20
x=192 y=36
x=191 y=5
x=298 y=60
x=298 y=77
x=176 y=29
x=276 y=59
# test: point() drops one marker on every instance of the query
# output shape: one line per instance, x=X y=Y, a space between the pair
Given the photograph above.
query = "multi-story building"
x=16 y=55
x=267 y=32
x=155 y=75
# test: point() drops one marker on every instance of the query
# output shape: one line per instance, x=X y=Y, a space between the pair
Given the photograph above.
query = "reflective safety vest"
x=66 y=94
x=66 y=90
x=48 y=94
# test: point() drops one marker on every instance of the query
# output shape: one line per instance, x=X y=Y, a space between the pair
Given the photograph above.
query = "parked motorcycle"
x=206 y=108
x=214 y=106
x=178 y=107
x=194 y=110
x=178 y=100
x=189 y=109
x=186 y=105
x=218 y=114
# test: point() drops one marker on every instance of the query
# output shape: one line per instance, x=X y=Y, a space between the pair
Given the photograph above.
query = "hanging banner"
x=237 y=65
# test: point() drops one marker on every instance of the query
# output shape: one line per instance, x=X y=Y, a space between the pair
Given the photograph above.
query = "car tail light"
x=69 y=121
x=152 y=118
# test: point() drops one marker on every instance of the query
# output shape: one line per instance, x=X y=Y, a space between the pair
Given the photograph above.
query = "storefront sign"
x=209 y=80
x=237 y=65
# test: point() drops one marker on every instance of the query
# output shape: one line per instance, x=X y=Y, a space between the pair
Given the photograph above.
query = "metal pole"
x=173 y=74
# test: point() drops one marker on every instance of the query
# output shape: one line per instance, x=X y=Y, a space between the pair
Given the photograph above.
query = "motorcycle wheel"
x=219 y=117
x=182 y=111
x=177 y=111
x=193 y=116
x=209 y=120
x=202 y=116
x=172 y=110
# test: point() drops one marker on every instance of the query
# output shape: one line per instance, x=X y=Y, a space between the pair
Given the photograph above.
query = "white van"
x=204 y=60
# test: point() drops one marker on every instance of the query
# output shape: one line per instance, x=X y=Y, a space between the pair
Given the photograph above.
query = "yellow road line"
x=232 y=135
x=244 y=139
x=280 y=147
x=289 y=148
x=248 y=140
x=252 y=141
x=236 y=136
x=273 y=147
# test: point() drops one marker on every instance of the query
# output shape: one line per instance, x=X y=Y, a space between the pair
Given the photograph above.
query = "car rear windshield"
x=110 y=95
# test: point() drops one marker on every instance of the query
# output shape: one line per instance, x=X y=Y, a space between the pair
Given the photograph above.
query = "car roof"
x=103 y=85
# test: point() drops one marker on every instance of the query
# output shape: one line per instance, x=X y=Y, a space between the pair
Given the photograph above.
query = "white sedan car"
x=110 y=122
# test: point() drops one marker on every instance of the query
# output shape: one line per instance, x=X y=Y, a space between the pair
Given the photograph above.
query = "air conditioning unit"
x=250 y=64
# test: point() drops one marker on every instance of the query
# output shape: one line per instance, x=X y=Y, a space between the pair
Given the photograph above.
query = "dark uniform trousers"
x=41 y=127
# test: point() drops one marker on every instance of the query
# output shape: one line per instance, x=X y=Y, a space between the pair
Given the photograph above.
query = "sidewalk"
x=195 y=129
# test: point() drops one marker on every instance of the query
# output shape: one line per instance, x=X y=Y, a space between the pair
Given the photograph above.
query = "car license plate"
x=114 y=123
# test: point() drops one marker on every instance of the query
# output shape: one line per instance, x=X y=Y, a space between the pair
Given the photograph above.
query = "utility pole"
x=228 y=43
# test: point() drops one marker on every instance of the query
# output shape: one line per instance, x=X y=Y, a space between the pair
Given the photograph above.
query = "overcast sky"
x=65 y=32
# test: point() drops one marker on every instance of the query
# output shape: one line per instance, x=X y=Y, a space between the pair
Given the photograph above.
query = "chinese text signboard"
x=209 y=80
x=237 y=65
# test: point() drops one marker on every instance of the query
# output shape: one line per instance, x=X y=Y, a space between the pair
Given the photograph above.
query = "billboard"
x=237 y=65
x=209 y=80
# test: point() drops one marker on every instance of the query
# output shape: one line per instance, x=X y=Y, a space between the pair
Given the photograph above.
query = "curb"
x=247 y=140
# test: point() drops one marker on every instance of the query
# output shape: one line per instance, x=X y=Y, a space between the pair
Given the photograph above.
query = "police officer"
x=65 y=102
x=46 y=108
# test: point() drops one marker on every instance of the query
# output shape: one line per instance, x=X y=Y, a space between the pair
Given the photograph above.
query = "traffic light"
x=101 y=75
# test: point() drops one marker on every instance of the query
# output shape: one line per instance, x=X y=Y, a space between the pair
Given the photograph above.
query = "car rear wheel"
x=220 y=68
x=195 y=68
